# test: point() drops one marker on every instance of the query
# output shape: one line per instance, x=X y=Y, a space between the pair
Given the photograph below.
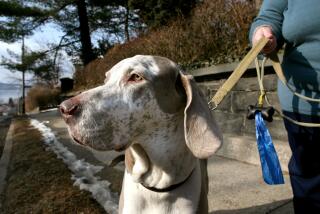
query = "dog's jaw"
x=168 y=161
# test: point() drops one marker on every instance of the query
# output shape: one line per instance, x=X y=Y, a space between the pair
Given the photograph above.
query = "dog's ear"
x=201 y=132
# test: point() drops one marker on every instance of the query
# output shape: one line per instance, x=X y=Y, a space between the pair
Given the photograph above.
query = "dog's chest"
x=184 y=199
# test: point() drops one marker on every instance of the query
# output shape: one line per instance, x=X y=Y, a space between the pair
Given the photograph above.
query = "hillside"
x=216 y=32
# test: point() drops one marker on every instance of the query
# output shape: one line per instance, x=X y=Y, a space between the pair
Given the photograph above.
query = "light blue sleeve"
x=271 y=13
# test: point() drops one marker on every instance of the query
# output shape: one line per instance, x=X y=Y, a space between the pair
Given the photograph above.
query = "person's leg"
x=304 y=165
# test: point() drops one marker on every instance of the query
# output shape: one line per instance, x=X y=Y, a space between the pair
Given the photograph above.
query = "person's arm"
x=268 y=23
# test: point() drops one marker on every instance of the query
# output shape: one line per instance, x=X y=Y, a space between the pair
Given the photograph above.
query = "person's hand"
x=265 y=31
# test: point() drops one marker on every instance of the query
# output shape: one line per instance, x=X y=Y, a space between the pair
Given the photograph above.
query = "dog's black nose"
x=69 y=107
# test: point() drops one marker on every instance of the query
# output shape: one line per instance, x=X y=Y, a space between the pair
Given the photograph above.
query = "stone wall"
x=232 y=111
x=238 y=131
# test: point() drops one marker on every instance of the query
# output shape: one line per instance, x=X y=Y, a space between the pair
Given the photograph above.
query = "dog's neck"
x=163 y=160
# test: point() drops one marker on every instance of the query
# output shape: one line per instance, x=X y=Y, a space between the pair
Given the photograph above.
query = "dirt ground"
x=4 y=127
x=38 y=182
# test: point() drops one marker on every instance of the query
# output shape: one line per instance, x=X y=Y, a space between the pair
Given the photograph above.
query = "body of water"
x=5 y=94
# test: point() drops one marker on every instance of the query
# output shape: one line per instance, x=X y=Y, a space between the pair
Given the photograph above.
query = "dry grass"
x=38 y=182
x=216 y=32
x=42 y=96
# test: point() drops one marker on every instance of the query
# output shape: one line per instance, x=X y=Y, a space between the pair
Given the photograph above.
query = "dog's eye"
x=135 y=78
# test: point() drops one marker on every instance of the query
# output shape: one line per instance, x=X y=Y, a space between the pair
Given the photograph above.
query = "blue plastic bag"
x=270 y=165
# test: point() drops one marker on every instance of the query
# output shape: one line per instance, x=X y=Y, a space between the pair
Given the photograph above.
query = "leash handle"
x=237 y=73
x=243 y=66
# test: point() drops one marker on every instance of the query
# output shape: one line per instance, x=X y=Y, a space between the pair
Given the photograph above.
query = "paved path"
x=235 y=187
x=4 y=161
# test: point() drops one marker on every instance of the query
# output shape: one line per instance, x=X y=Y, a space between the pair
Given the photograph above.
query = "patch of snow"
x=50 y=109
x=83 y=172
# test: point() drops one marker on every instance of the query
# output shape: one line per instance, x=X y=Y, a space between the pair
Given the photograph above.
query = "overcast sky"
x=47 y=34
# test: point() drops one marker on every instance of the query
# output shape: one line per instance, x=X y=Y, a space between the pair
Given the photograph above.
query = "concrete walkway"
x=4 y=161
x=235 y=187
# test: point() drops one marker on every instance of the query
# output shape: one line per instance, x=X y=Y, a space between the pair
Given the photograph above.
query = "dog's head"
x=140 y=96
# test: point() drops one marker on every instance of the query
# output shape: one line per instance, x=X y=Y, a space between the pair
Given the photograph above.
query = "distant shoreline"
x=6 y=94
x=11 y=90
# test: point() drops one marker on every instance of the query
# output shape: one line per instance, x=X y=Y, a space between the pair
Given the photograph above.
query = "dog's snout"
x=69 y=107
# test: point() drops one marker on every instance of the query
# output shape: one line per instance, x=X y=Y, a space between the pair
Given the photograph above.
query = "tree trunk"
x=126 y=23
x=23 y=78
x=87 y=54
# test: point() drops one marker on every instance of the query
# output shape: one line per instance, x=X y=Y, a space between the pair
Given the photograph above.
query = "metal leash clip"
x=212 y=105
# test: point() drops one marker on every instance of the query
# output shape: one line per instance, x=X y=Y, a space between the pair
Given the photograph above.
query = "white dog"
x=149 y=108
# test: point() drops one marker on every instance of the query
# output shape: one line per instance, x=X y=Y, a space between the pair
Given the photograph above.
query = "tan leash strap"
x=310 y=125
x=243 y=66
x=278 y=69
x=237 y=73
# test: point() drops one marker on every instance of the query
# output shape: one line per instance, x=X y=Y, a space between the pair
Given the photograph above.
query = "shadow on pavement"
x=279 y=207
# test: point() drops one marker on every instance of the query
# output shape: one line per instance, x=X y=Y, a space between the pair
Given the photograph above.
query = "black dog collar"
x=169 y=188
